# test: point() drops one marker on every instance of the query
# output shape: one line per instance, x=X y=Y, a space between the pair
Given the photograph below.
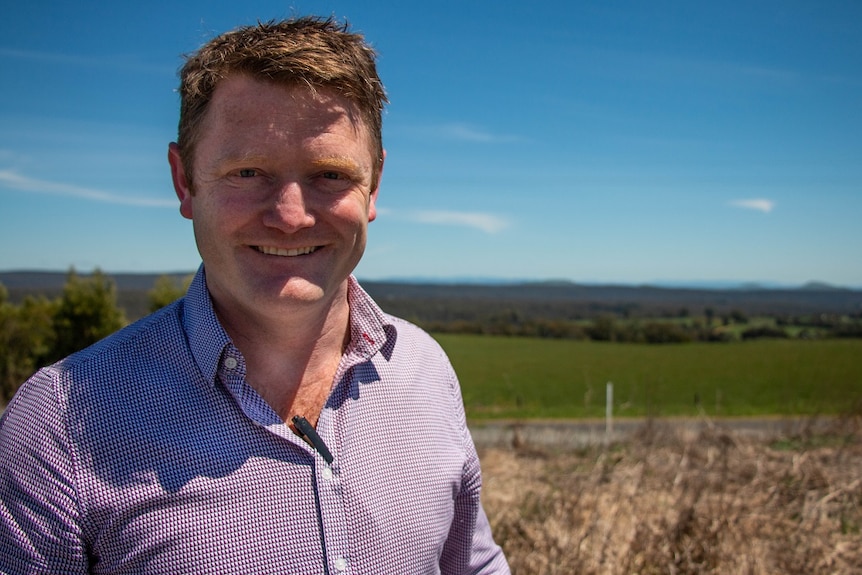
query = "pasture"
x=527 y=378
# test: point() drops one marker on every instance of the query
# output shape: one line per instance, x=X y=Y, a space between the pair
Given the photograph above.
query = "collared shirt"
x=150 y=453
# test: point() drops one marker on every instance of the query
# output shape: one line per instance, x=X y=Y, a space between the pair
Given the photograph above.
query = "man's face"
x=282 y=194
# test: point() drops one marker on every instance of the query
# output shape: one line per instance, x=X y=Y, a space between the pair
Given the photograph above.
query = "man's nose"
x=289 y=209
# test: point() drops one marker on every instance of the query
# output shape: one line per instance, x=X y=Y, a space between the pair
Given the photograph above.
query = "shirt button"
x=327 y=473
x=230 y=363
x=341 y=564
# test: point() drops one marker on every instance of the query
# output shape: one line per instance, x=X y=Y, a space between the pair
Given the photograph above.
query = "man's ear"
x=181 y=181
x=372 y=200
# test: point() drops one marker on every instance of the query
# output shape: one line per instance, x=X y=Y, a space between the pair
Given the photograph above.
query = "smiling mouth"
x=272 y=251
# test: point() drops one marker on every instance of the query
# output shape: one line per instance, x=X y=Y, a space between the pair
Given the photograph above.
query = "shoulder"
x=116 y=358
x=157 y=330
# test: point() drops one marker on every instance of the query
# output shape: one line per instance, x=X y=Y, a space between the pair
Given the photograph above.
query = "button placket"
x=333 y=515
x=331 y=496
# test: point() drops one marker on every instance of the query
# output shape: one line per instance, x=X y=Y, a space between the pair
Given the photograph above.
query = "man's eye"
x=247 y=173
x=331 y=175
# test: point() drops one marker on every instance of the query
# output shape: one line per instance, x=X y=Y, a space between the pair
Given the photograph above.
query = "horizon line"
x=493 y=280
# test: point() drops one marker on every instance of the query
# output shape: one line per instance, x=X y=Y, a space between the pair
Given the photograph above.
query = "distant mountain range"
x=49 y=280
x=681 y=284
x=55 y=280
x=555 y=297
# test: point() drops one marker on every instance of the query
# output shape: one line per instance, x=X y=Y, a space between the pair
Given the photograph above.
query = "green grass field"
x=540 y=378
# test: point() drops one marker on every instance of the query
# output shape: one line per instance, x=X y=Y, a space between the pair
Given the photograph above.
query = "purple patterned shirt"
x=149 y=453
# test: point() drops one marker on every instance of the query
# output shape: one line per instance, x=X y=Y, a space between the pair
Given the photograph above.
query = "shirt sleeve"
x=39 y=516
x=470 y=548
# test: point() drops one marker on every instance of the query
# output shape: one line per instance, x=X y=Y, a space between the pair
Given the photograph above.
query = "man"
x=275 y=420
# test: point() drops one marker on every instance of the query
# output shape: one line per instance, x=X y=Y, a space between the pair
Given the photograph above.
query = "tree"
x=26 y=335
x=166 y=290
x=665 y=332
x=603 y=328
x=710 y=315
x=764 y=331
x=738 y=316
x=87 y=312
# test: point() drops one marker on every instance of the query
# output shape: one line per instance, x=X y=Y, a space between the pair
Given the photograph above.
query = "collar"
x=206 y=337
x=371 y=330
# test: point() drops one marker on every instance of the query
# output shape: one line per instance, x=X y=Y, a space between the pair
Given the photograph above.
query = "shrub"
x=764 y=331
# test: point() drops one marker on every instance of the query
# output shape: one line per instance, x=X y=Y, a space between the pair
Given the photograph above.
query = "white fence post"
x=609 y=412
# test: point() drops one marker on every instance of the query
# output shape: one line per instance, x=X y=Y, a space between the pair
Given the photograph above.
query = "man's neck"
x=292 y=356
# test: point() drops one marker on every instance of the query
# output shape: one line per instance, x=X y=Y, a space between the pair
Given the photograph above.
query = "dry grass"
x=677 y=503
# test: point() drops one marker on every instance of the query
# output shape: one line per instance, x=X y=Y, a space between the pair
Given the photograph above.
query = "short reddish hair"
x=310 y=51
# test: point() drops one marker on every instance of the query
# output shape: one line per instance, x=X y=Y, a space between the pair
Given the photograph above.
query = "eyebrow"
x=339 y=163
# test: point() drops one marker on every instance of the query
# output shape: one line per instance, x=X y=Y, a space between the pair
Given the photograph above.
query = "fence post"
x=609 y=412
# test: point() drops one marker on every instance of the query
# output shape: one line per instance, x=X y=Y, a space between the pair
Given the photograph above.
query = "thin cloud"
x=467 y=133
x=463 y=133
x=488 y=223
x=54 y=57
x=758 y=204
x=15 y=181
x=119 y=62
x=661 y=64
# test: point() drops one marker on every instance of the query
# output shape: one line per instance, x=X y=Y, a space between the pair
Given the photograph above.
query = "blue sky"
x=623 y=142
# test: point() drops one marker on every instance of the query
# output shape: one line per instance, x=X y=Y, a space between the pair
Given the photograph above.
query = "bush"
x=663 y=332
x=603 y=328
x=848 y=330
x=764 y=331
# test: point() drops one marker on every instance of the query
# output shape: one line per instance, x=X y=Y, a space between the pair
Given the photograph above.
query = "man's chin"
x=309 y=293
x=274 y=293
x=303 y=290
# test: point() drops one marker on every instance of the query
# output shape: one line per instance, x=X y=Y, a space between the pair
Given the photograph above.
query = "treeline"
x=39 y=331
x=636 y=321
x=733 y=326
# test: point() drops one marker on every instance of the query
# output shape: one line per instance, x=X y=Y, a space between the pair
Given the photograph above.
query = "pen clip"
x=307 y=431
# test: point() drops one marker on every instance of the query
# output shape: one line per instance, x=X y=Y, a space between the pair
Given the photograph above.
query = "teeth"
x=271 y=251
